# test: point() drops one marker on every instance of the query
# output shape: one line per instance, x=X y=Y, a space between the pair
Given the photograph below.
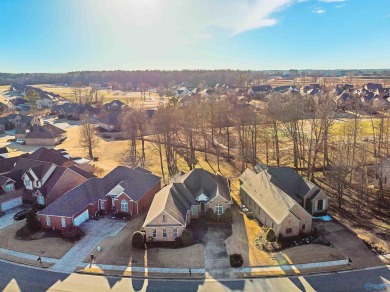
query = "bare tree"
x=88 y=139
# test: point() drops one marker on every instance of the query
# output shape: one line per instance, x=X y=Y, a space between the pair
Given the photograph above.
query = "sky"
x=74 y=35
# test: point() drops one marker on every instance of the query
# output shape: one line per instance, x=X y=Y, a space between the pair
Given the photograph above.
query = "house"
x=259 y=90
x=181 y=91
x=74 y=111
x=50 y=155
x=46 y=135
x=124 y=190
x=110 y=121
x=36 y=176
x=18 y=104
x=3 y=152
x=46 y=101
x=187 y=197
x=22 y=121
x=281 y=199
x=61 y=180
x=114 y=105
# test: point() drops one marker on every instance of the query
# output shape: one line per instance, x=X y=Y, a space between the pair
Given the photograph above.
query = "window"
x=288 y=230
x=164 y=218
x=41 y=200
x=219 y=209
x=47 y=220
x=27 y=182
x=303 y=226
x=320 y=204
x=175 y=232
x=165 y=233
x=9 y=187
x=63 y=222
x=102 y=205
x=124 y=206
x=154 y=233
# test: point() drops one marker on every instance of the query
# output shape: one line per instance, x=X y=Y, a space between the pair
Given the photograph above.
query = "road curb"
x=105 y=273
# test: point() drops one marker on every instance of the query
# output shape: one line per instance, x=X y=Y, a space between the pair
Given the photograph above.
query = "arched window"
x=63 y=222
x=124 y=206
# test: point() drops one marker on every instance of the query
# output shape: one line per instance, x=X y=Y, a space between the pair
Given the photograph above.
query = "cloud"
x=332 y=1
x=197 y=17
x=319 y=11
x=342 y=5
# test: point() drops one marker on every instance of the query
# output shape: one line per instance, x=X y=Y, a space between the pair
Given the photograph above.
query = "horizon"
x=257 y=35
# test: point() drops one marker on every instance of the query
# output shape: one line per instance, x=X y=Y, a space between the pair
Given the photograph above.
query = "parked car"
x=21 y=141
x=21 y=215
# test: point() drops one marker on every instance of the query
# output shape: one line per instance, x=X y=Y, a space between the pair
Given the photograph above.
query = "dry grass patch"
x=311 y=253
x=243 y=238
x=50 y=247
x=118 y=250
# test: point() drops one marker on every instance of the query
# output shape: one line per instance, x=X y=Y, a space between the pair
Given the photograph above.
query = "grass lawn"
x=46 y=247
x=118 y=250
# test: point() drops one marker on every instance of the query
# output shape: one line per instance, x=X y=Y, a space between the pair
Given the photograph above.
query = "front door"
x=113 y=203
x=202 y=207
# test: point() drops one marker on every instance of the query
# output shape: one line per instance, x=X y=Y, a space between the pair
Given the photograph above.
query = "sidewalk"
x=140 y=272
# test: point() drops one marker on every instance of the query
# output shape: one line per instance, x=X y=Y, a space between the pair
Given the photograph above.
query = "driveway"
x=350 y=246
x=217 y=262
x=95 y=232
x=8 y=218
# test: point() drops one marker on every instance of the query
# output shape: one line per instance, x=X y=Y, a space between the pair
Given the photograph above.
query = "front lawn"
x=118 y=250
x=51 y=247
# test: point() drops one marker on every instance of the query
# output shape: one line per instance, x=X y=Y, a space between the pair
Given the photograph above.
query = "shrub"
x=149 y=239
x=178 y=242
x=236 y=260
x=138 y=239
x=24 y=233
x=211 y=216
x=32 y=222
x=72 y=233
x=270 y=235
x=250 y=216
x=187 y=238
x=227 y=216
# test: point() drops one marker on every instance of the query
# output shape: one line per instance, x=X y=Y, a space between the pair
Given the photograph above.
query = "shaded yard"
x=51 y=247
x=118 y=250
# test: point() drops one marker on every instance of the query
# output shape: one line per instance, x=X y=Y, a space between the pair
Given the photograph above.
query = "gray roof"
x=290 y=182
x=176 y=199
x=45 y=132
x=77 y=199
x=138 y=183
x=94 y=189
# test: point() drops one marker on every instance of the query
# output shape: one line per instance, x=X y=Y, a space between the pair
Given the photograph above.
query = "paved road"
x=15 y=277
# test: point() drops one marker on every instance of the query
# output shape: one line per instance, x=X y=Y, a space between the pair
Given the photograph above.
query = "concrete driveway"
x=8 y=218
x=217 y=262
x=350 y=246
x=95 y=232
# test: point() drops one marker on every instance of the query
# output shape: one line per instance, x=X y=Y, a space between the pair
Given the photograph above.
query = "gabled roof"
x=260 y=88
x=45 y=132
x=41 y=169
x=135 y=182
x=272 y=200
x=50 y=155
x=77 y=199
x=4 y=180
x=178 y=197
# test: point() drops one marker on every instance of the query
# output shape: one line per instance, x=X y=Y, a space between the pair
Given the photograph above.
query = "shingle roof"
x=176 y=199
x=272 y=200
x=138 y=183
x=3 y=150
x=41 y=169
x=4 y=179
x=50 y=155
x=45 y=132
x=77 y=199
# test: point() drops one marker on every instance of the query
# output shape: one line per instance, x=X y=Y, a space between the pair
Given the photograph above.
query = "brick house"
x=130 y=191
x=281 y=199
x=46 y=135
x=187 y=197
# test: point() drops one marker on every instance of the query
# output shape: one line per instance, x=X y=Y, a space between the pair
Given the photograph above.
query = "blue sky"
x=73 y=35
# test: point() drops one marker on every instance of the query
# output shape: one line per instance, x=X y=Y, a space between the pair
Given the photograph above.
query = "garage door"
x=11 y=204
x=81 y=218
